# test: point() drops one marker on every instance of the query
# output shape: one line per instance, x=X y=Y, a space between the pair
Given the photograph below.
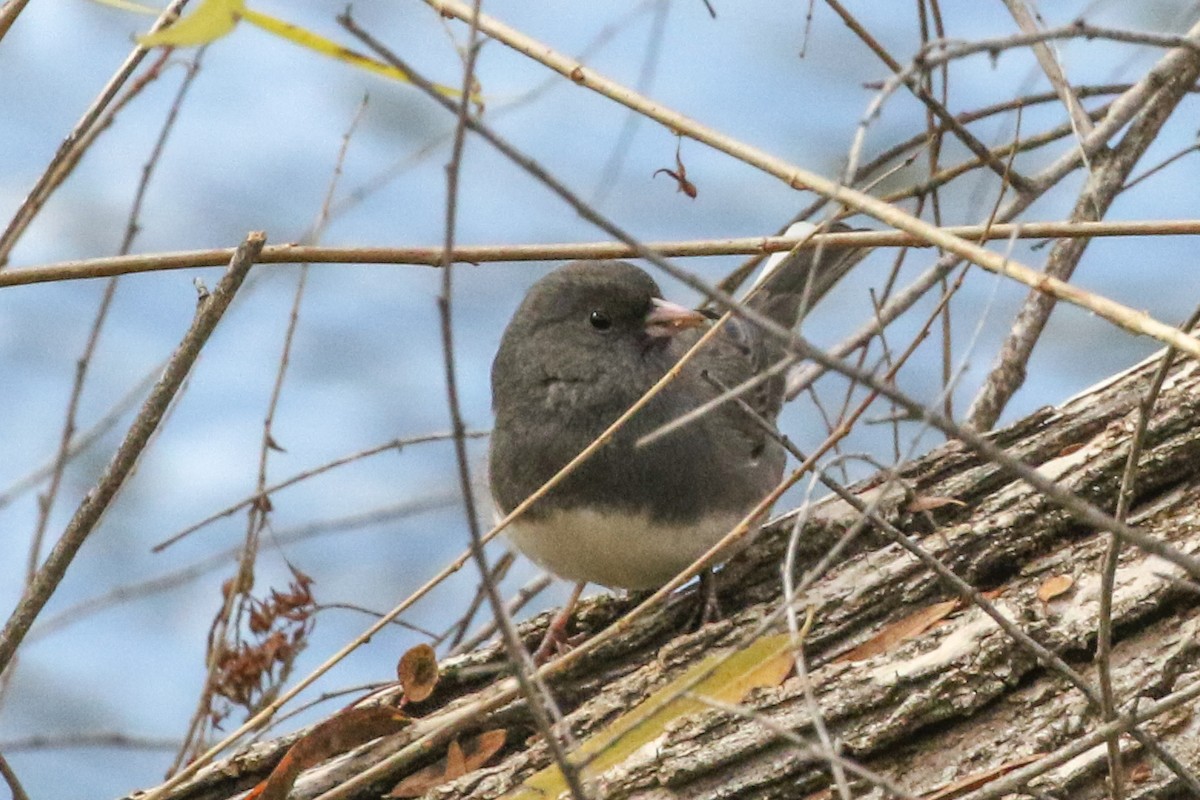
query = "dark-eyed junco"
x=587 y=341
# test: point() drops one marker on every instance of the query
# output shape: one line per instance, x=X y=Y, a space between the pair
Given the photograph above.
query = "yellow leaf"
x=211 y=20
x=216 y=18
x=765 y=662
x=327 y=47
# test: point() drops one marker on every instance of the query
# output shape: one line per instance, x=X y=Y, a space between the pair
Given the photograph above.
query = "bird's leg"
x=710 y=608
x=556 y=640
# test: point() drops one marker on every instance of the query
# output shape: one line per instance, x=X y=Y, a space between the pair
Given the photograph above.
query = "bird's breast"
x=616 y=548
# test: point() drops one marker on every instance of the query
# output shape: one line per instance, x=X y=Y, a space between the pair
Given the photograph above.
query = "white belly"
x=616 y=550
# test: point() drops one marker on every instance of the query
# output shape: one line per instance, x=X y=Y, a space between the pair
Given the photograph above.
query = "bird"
x=587 y=341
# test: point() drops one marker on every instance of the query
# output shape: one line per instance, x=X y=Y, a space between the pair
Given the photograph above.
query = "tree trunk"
x=959 y=705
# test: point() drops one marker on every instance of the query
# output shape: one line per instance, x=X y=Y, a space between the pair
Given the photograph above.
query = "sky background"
x=255 y=148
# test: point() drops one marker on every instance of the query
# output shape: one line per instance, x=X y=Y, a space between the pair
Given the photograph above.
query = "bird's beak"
x=668 y=319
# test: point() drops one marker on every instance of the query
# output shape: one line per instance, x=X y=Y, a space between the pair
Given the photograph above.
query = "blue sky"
x=255 y=148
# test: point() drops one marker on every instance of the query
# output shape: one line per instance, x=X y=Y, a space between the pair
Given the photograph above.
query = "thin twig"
x=176 y=578
x=1112 y=557
x=9 y=13
x=394 y=444
x=515 y=604
x=1085 y=512
x=1018 y=145
x=62 y=456
x=114 y=741
x=458 y=630
x=109 y=266
x=1120 y=112
x=10 y=777
x=805 y=748
x=370 y=612
x=77 y=141
x=950 y=50
x=1008 y=372
x=1048 y=61
x=47 y=499
x=973 y=596
x=81 y=443
x=540 y=702
x=86 y=517
x=1019 y=778
x=1025 y=101
x=226 y=626
x=921 y=93
x=1166 y=162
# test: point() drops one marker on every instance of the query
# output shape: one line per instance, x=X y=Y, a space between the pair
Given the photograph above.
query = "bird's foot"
x=556 y=640
x=710 y=605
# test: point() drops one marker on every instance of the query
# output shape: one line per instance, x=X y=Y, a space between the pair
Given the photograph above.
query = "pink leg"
x=555 y=640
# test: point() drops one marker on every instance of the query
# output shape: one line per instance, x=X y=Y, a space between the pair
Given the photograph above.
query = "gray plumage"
x=577 y=353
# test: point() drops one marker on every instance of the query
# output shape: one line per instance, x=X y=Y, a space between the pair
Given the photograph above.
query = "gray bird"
x=589 y=339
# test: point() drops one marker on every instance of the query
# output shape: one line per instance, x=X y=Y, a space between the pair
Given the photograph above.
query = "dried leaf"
x=972 y=782
x=418 y=672
x=891 y=636
x=729 y=677
x=1071 y=448
x=214 y=19
x=931 y=502
x=682 y=184
x=456 y=762
x=459 y=760
x=332 y=737
x=1053 y=587
x=1140 y=773
x=680 y=175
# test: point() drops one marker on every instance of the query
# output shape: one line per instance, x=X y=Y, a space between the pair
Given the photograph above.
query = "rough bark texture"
x=958 y=700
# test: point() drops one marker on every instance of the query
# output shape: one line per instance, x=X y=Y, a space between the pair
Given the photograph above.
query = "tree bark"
x=961 y=700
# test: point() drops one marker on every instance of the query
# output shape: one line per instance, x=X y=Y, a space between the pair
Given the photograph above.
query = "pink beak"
x=668 y=319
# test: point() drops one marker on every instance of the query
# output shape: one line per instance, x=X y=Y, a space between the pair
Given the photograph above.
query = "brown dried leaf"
x=680 y=175
x=972 y=782
x=418 y=672
x=900 y=630
x=931 y=502
x=456 y=762
x=332 y=737
x=459 y=760
x=1140 y=773
x=1053 y=587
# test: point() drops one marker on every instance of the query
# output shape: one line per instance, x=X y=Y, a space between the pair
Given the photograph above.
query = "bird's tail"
x=791 y=283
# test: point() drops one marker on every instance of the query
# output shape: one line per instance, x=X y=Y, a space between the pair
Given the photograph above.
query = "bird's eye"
x=600 y=321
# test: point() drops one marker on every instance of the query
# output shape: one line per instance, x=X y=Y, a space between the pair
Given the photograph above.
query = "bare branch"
x=48 y=576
